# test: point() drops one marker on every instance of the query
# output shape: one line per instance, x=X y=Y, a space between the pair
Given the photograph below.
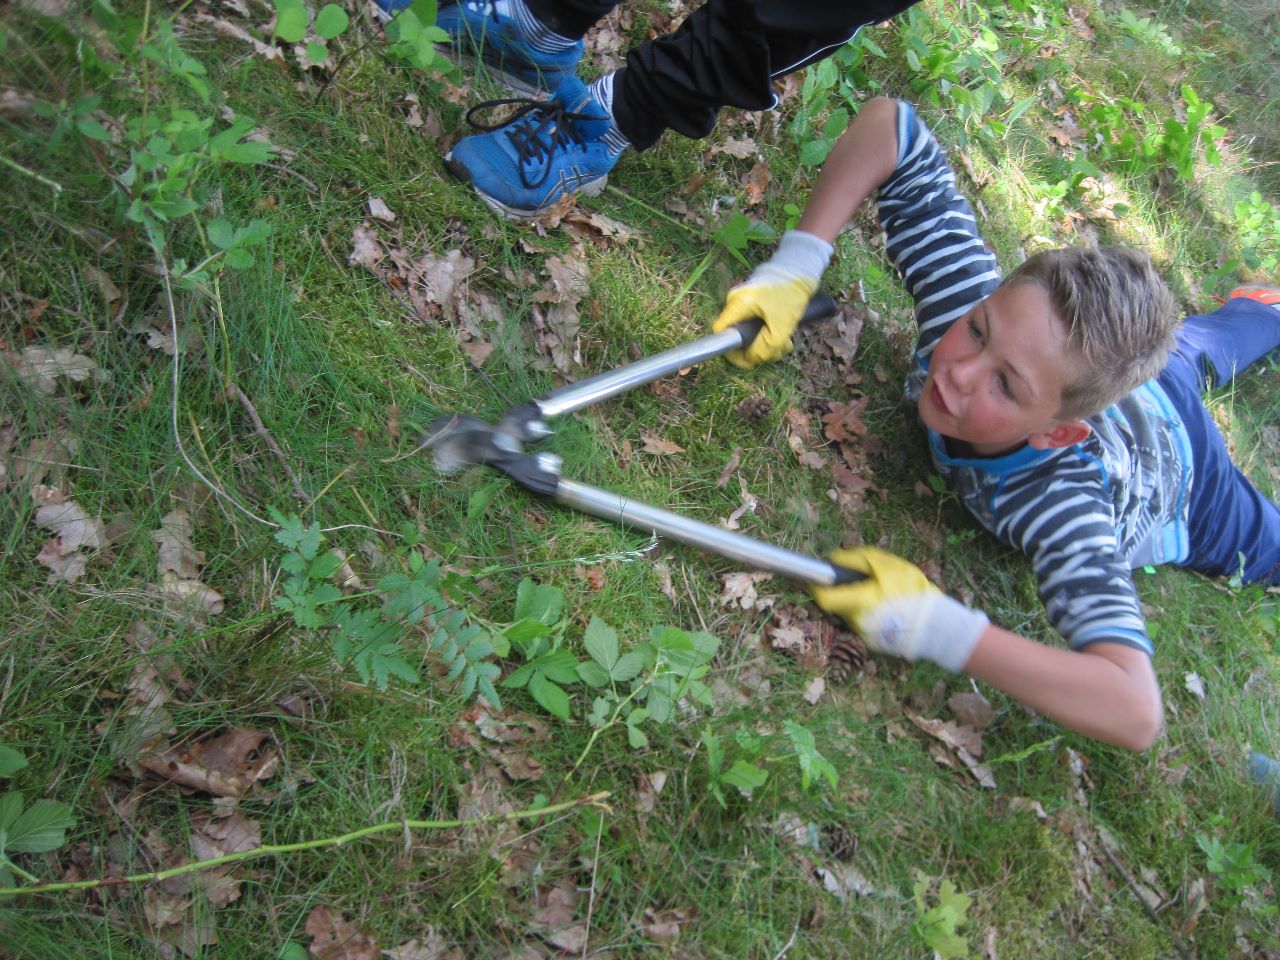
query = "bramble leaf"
x=11 y=761
x=601 y=642
x=40 y=828
x=550 y=697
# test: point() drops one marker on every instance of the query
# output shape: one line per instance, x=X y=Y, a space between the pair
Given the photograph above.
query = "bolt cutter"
x=459 y=441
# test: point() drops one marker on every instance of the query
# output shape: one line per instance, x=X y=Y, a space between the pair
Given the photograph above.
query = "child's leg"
x=1224 y=343
x=1227 y=516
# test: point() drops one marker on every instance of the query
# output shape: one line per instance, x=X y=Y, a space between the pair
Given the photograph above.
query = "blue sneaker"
x=485 y=30
x=548 y=149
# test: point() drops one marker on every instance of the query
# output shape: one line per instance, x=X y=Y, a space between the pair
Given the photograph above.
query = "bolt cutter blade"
x=459 y=441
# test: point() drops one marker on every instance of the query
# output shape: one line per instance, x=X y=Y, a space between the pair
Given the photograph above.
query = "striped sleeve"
x=1066 y=527
x=931 y=234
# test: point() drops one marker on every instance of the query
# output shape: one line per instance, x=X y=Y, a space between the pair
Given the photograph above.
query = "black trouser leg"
x=570 y=18
x=726 y=54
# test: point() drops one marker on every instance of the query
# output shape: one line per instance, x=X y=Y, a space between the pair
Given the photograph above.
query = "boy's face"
x=996 y=377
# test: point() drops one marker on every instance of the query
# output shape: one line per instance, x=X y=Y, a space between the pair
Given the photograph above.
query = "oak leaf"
x=656 y=445
x=333 y=938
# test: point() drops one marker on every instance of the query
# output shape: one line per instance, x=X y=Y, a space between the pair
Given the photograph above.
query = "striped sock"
x=602 y=92
x=539 y=37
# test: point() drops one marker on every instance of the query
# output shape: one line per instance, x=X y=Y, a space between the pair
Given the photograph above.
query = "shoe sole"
x=591 y=189
x=1262 y=292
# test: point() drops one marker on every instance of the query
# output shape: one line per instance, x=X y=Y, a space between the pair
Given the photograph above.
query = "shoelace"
x=538 y=128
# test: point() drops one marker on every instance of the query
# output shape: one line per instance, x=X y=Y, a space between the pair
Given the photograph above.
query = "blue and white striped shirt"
x=1086 y=515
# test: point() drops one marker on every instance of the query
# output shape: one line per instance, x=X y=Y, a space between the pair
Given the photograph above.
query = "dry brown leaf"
x=439 y=278
x=268 y=51
x=607 y=227
x=217 y=837
x=97 y=276
x=740 y=591
x=64 y=566
x=68 y=521
x=972 y=709
x=42 y=366
x=366 y=250
x=189 y=936
x=734 y=459
x=478 y=351
x=175 y=551
x=742 y=148
x=225 y=766
x=749 y=504
x=814 y=689
x=569 y=939
x=757 y=182
x=568 y=276
x=656 y=445
x=648 y=787
x=844 y=880
x=333 y=938
x=964 y=742
x=844 y=421
x=663 y=926
x=188 y=598
x=379 y=210
x=431 y=946
x=558 y=906
x=663 y=570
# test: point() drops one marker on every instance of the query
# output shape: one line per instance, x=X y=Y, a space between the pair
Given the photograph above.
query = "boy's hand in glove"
x=896 y=610
x=777 y=292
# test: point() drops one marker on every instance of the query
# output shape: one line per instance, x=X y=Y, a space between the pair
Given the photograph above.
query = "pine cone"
x=846 y=656
x=755 y=408
x=839 y=841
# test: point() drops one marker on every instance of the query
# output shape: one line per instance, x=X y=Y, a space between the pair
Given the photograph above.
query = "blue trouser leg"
x=1229 y=519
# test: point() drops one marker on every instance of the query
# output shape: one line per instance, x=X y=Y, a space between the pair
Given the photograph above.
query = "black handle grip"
x=846 y=575
x=821 y=305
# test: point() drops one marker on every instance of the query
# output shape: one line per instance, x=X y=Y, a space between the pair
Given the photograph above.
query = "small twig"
x=593 y=800
x=281 y=168
x=1183 y=950
x=56 y=187
x=261 y=430
x=789 y=944
x=591 y=895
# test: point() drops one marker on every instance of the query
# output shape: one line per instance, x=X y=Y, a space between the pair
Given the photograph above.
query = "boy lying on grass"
x=1063 y=405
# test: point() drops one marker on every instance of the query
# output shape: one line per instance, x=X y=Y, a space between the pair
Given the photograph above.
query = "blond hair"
x=1118 y=314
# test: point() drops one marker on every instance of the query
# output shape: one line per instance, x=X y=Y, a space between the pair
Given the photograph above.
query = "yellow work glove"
x=777 y=292
x=897 y=611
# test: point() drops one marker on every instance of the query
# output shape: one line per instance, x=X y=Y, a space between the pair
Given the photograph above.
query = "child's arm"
x=1105 y=690
x=864 y=158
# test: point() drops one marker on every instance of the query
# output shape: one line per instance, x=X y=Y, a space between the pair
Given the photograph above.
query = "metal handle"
x=575 y=396
x=735 y=546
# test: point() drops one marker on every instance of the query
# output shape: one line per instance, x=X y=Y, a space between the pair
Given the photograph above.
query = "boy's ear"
x=1064 y=434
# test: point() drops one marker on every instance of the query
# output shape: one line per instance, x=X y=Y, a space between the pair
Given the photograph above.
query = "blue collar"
x=1019 y=459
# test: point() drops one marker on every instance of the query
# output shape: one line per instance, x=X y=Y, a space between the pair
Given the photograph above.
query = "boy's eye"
x=1005 y=388
x=974 y=331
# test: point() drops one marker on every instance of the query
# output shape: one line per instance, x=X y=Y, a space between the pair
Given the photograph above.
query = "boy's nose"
x=963 y=374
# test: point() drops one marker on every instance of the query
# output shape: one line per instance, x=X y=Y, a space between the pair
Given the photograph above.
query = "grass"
x=345 y=374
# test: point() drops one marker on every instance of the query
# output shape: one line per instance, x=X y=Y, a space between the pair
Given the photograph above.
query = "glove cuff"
x=800 y=255
x=950 y=633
